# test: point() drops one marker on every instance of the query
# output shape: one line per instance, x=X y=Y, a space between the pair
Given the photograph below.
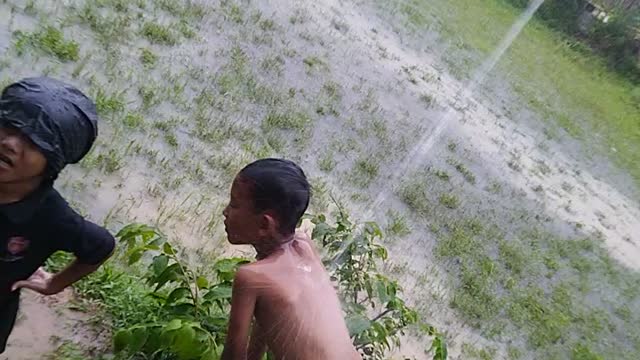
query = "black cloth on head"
x=57 y=117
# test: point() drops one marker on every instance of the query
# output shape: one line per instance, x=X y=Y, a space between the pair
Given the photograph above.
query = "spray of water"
x=419 y=152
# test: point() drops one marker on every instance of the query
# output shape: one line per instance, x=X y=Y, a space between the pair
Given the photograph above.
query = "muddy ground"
x=370 y=111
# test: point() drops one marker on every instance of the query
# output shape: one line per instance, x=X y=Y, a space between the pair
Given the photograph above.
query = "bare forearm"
x=72 y=273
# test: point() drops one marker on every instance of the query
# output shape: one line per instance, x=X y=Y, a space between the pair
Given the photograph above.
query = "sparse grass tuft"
x=327 y=163
x=364 y=172
x=148 y=58
x=462 y=169
x=49 y=40
x=171 y=139
x=289 y=120
x=109 y=103
x=397 y=225
x=133 y=120
x=314 y=63
x=441 y=174
x=449 y=201
x=413 y=193
x=159 y=34
x=428 y=100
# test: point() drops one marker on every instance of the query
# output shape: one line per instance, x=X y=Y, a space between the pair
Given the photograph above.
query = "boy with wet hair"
x=45 y=124
x=286 y=293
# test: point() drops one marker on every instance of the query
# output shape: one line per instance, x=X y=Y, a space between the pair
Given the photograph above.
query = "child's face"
x=20 y=159
x=243 y=224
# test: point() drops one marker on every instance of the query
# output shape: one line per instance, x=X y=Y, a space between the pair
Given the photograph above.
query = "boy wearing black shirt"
x=45 y=124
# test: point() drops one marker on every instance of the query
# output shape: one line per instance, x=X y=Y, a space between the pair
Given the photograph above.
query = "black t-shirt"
x=39 y=225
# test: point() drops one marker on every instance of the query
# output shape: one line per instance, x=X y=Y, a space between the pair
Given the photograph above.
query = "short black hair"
x=279 y=185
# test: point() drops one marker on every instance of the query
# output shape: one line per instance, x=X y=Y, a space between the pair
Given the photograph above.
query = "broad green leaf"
x=121 y=340
x=219 y=292
x=202 y=282
x=171 y=273
x=184 y=343
x=174 y=324
x=138 y=339
x=357 y=324
x=135 y=255
x=160 y=263
x=182 y=309
x=168 y=249
x=210 y=354
x=177 y=294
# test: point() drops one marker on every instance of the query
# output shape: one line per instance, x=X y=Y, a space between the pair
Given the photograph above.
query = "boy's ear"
x=269 y=224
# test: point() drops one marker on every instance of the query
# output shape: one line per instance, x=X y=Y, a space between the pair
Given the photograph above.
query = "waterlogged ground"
x=509 y=232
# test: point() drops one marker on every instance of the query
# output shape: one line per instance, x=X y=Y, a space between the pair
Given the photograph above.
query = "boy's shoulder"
x=45 y=205
x=54 y=205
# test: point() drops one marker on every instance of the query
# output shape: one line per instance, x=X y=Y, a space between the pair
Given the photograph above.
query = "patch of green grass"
x=397 y=225
x=30 y=8
x=158 y=33
x=133 y=120
x=314 y=63
x=287 y=120
x=513 y=353
x=327 y=162
x=566 y=86
x=67 y=351
x=148 y=58
x=186 y=30
x=150 y=95
x=234 y=13
x=273 y=64
x=186 y=10
x=109 y=28
x=364 y=172
x=109 y=162
x=427 y=100
x=267 y=25
x=108 y=103
x=450 y=201
x=463 y=170
x=441 y=174
x=513 y=256
x=413 y=193
x=171 y=139
x=49 y=40
x=471 y=352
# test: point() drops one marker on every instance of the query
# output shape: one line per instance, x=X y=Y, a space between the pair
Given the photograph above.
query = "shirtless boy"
x=287 y=290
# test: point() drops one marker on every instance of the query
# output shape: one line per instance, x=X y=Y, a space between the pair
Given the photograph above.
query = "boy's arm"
x=48 y=284
x=91 y=244
x=243 y=300
x=257 y=344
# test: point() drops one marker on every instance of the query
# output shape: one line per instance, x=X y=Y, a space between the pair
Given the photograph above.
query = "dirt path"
x=45 y=323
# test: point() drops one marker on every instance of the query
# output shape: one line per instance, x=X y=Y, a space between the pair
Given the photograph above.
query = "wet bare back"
x=297 y=310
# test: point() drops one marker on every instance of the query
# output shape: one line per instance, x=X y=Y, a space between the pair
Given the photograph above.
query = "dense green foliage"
x=352 y=256
x=178 y=312
x=616 y=39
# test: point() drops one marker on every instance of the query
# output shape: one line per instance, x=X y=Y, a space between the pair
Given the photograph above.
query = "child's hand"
x=39 y=282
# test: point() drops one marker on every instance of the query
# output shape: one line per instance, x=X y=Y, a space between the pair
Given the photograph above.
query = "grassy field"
x=557 y=77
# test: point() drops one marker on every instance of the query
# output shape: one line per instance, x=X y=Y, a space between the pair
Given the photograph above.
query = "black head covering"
x=57 y=117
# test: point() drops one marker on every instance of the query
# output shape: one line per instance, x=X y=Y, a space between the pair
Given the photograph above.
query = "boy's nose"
x=11 y=144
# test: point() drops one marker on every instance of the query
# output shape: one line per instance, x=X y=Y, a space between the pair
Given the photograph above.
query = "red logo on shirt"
x=17 y=244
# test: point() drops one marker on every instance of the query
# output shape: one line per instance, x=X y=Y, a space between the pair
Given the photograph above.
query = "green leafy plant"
x=195 y=307
x=352 y=257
